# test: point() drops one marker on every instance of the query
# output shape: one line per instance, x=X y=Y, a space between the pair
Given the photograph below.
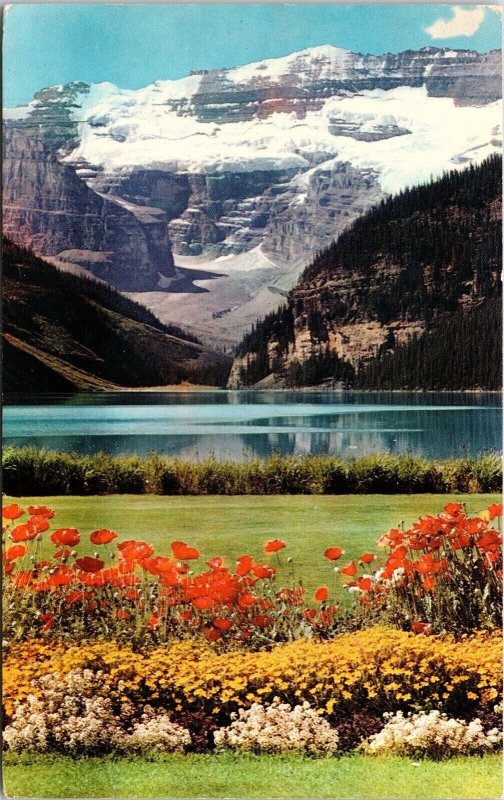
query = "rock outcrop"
x=49 y=209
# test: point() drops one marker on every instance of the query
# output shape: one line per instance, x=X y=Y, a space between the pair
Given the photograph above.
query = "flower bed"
x=379 y=668
x=145 y=653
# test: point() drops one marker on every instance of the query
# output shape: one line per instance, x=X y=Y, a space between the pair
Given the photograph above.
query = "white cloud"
x=463 y=23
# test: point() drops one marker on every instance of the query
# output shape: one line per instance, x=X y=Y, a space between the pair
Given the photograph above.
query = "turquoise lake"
x=245 y=424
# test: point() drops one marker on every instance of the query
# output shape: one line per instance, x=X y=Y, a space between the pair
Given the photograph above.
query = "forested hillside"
x=405 y=298
x=63 y=332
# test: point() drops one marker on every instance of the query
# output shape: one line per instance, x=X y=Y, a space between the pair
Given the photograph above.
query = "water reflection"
x=239 y=425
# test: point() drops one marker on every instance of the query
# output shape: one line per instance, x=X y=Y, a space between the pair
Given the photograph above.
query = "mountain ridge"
x=401 y=270
x=270 y=160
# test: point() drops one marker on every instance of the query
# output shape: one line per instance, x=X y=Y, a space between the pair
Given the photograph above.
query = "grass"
x=28 y=470
x=250 y=776
x=232 y=526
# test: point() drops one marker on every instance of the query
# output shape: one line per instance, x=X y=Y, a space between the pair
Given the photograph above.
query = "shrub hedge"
x=31 y=471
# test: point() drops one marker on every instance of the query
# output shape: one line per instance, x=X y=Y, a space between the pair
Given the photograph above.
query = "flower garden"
x=129 y=653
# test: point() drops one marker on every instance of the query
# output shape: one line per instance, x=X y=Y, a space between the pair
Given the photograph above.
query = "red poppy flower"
x=185 y=616
x=131 y=549
x=261 y=620
x=350 y=569
x=9 y=568
x=16 y=551
x=366 y=558
x=123 y=614
x=495 y=510
x=321 y=594
x=364 y=584
x=274 y=545
x=223 y=624
x=454 y=509
x=182 y=551
x=419 y=627
x=333 y=553
x=153 y=621
x=212 y=634
x=132 y=594
x=39 y=523
x=89 y=564
x=23 y=533
x=260 y=571
x=428 y=583
x=310 y=614
x=12 y=512
x=246 y=600
x=202 y=603
x=61 y=577
x=23 y=579
x=47 y=620
x=65 y=536
x=102 y=536
x=41 y=511
x=215 y=563
x=74 y=597
x=243 y=565
x=64 y=552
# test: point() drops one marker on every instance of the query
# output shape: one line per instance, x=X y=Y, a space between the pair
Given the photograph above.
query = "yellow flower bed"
x=380 y=667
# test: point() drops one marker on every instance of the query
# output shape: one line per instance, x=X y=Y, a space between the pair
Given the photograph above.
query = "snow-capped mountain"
x=245 y=172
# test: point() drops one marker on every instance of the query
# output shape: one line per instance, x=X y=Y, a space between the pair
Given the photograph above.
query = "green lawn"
x=232 y=526
x=228 y=775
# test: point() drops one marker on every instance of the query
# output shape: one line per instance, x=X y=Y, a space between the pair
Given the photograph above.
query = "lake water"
x=245 y=424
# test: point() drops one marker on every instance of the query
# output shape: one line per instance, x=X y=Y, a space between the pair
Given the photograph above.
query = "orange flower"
x=366 y=558
x=41 y=511
x=246 y=600
x=153 y=621
x=182 y=551
x=212 y=634
x=16 y=551
x=202 y=603
x=65 y=536
x=274 y=545
x=123 y=614
x=321 y=594
x=102 y=536
x=364 y=584
x=495 y=510
x=333 y=553
x=350 y=569
x=428 y=583
x=23 y=533
x=260 y=571
x=89 y=564
x=243 y=565
x=215 y=563
x=454 y=509
x=22 y=579
x=39 y=523
x=47 y=620
x=131 y=550
x=261 y=620
x=12 y=512
x=74 y=597
x=223 y=624
x=63 y=553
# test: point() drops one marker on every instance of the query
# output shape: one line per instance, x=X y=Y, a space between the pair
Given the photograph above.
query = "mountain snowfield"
x=303 y=118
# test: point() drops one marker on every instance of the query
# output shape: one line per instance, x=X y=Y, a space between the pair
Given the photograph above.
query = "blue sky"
x=134 y=45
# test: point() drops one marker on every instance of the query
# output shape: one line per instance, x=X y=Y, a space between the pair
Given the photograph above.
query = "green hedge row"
x=29 y=471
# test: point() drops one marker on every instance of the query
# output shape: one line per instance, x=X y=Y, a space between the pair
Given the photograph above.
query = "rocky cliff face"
x=280 y=155
x=397 y=271
x=49 y=209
